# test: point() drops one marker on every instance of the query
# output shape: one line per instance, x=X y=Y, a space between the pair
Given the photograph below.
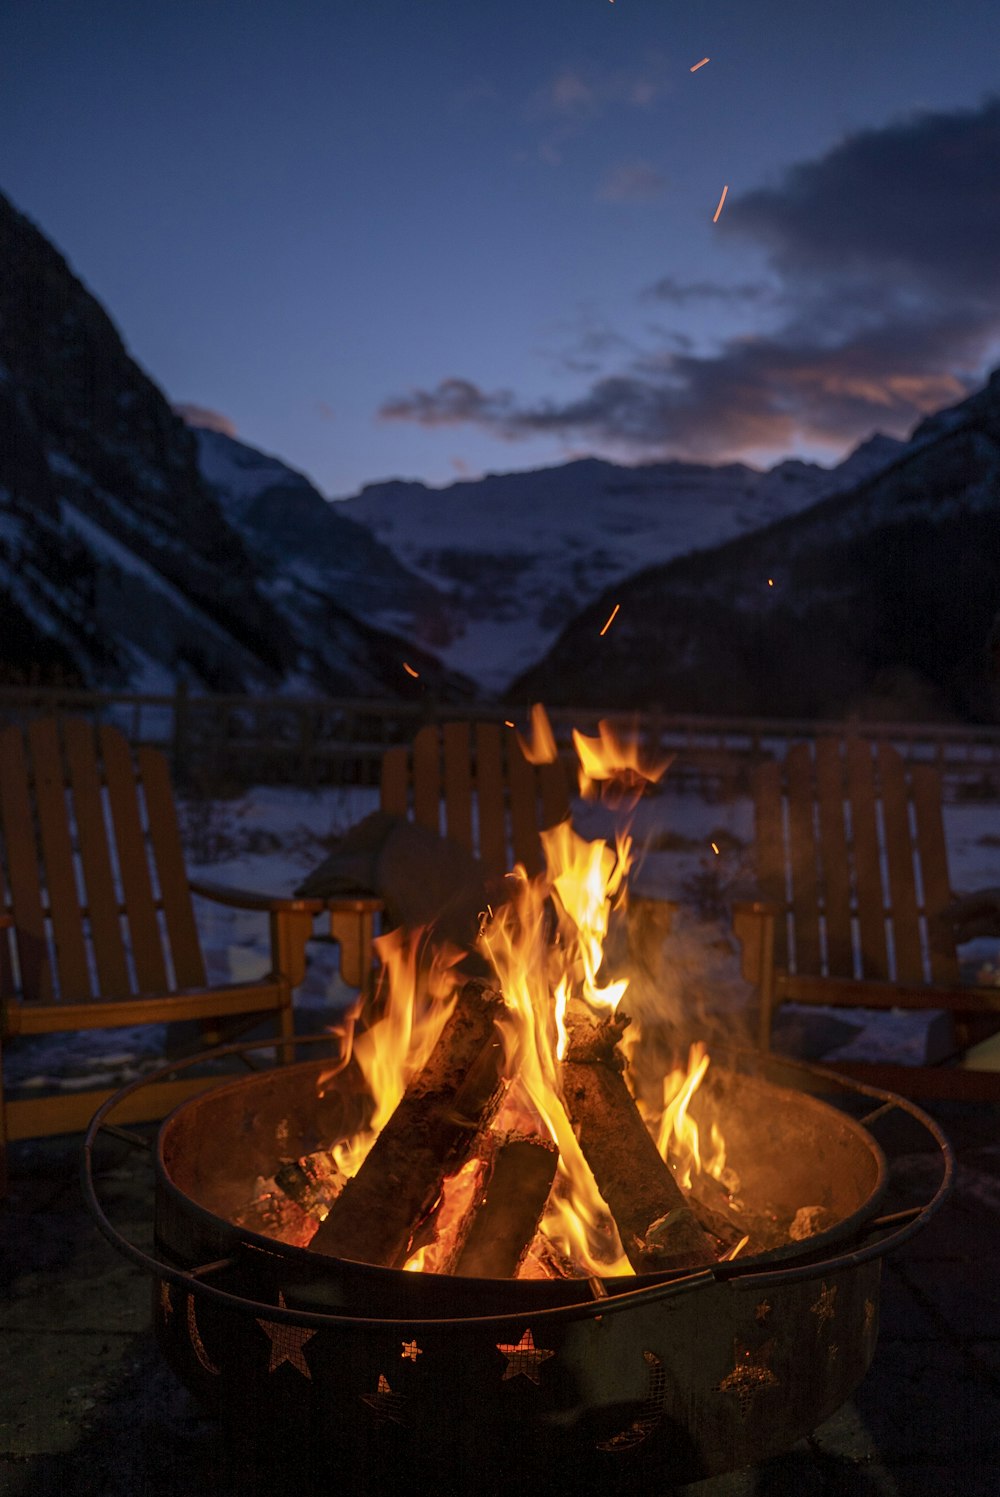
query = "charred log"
x=506 y=1222
x=431 y=1134
x=657 y=1227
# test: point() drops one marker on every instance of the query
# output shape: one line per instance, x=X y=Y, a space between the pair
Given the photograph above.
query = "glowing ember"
x=699 y=64
x=410 y=671
x=611 y=620
x=715 y=216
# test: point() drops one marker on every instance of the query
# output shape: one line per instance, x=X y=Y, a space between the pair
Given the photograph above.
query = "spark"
x=715 y=848
x=611 y=620
x=507 y=723
x=718 y=210
x=770 y=582
x=410 y=671
x=699 y=65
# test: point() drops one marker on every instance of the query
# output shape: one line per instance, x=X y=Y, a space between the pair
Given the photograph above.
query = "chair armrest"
x=248 y=899
x=972 y=915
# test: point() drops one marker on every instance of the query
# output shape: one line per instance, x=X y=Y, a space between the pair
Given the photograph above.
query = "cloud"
x=631 y=182
x=202 y=416
x=575 y=97
x=883 y=299
x=683 y=293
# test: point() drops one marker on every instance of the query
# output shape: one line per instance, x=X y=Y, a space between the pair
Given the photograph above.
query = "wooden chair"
x=100 y=922
x=471 y=783
x=852 y=869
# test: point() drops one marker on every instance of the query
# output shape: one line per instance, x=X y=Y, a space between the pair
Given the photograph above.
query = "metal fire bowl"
x=666 y=1379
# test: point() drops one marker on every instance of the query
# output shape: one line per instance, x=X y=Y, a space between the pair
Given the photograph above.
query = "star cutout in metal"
x=524 y=1358
x=385 y=1404
x=750 y=1374
x=411 y=1351
x=823 y=1308
x=196 y=1342
x=761 y=1312
x=652 y=1410
x=287 y=1342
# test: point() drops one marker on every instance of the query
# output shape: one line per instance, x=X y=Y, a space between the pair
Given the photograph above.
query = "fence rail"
x=221 y=740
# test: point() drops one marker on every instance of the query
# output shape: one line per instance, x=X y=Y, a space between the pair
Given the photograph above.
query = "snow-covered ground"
x=269 y=838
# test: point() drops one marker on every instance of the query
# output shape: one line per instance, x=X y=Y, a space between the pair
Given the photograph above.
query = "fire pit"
x=666 y=1377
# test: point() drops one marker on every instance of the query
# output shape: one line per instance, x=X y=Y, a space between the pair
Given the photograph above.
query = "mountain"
x=518 y=555
x=118 y=565
x=878 y=602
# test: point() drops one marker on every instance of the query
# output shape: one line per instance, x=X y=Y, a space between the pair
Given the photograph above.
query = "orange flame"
x=541 y=749
x=610 y=760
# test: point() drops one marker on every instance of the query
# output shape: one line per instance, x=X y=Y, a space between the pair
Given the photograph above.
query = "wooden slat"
x=394 y=795
x=802 y=857
x=165 y=838
x=847 y=992
x=867 y=870
x=427 y=779
x=34 y=955
x=835 y=880
x=41 y=1117
x=523 y=790
x=57 y=861
x=770 y=850
x=899 y=854
x=925 y=782
x=555 y=793
x=95 y=857
x=458 y=783
x=490 y=800
x=137 y=888
x=157 y=1008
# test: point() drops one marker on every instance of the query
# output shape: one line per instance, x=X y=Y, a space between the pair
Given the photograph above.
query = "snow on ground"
x=271 y=837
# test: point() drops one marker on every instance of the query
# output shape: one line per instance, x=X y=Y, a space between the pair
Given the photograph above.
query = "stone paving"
x=87 y=1408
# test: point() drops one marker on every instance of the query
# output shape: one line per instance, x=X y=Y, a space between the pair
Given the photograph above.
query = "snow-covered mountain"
x=882 y=601
x=517 y=556
x=118 y=565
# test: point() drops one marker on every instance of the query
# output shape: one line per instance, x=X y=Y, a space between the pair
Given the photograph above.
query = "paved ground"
x=87 y=1409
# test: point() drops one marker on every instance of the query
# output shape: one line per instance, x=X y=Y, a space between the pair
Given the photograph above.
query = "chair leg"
x=3 y=1130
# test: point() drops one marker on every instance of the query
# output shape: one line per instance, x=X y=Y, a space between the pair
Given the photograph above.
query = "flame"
x=542 y=746
x=546 y=946
x=609 y=759
x=418 y=985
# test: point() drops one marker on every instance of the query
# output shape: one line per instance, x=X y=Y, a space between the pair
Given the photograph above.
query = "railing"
x=237 y=740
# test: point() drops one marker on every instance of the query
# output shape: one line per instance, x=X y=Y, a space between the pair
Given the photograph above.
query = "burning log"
x=507 y=1220
x=657 y=1226
x=430 y=1135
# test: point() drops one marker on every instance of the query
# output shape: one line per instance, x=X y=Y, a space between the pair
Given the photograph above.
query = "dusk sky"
x=430 y=238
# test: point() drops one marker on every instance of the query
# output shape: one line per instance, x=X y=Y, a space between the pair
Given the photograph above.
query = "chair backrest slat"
x=771 y=850
x=835 y=879
x=427 y=779
x=802 y=854
x=867 y=864
x=57 y=860
x=522 y=789
x=137 y=887
x=925 y=782
x=33 y=949
x=458 y=784
x=490 y=800
x=95 y=859
x=168 y=856
x=899 y=857
x=395 y=783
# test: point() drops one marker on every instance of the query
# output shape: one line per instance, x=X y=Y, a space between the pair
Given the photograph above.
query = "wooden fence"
x=217 y=742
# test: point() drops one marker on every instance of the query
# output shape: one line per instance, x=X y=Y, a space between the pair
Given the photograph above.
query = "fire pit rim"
x=746 y=1272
